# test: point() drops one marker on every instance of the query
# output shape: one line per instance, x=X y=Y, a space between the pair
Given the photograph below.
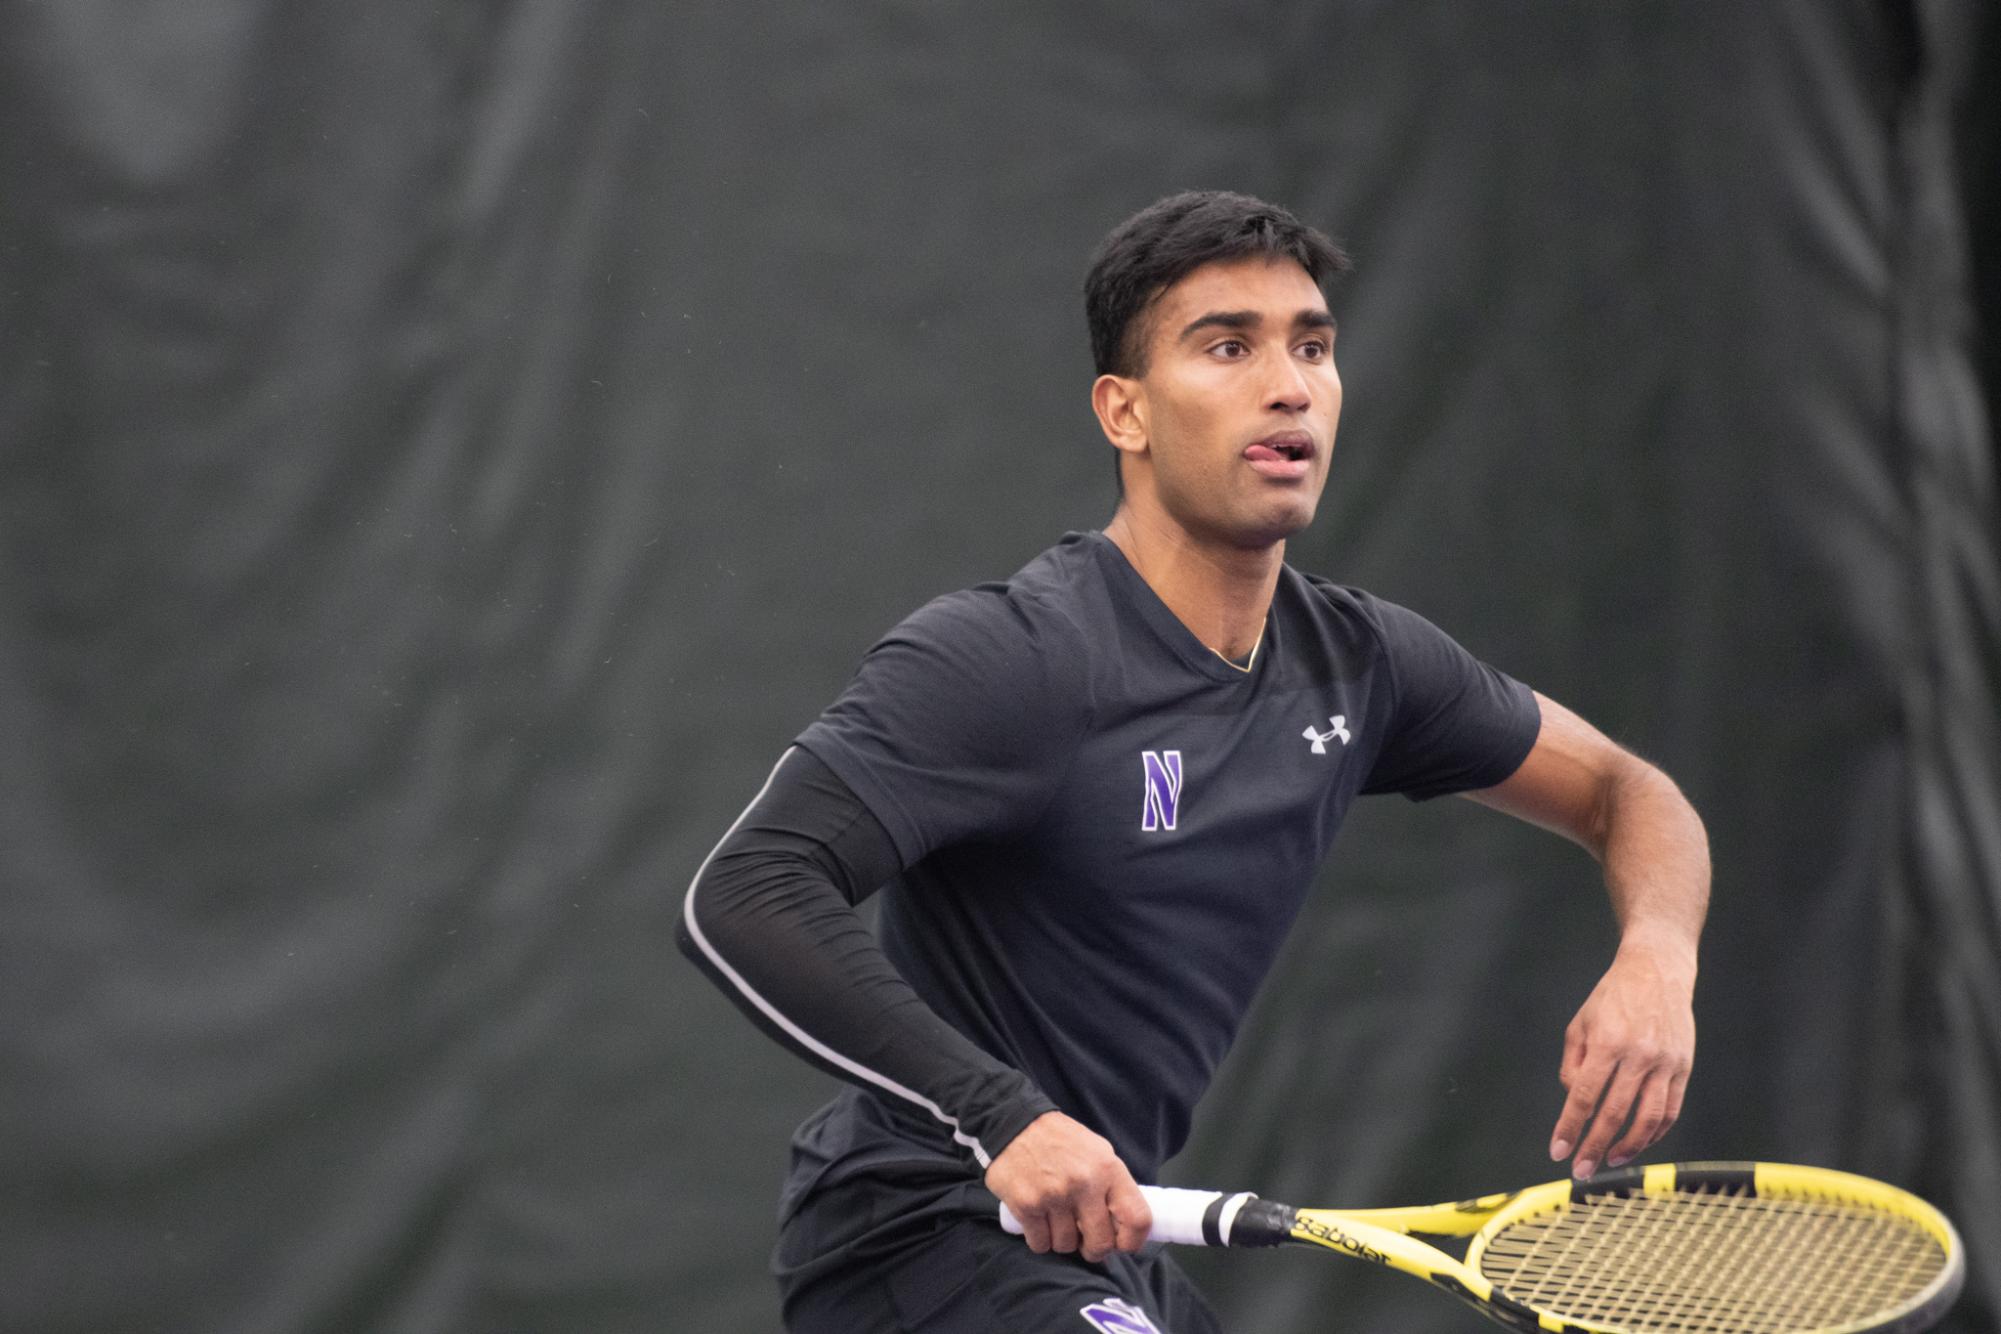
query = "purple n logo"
x=1163 y=789
x=1116 y=1317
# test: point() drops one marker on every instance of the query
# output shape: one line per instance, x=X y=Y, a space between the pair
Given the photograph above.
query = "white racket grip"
x=1185 y=1217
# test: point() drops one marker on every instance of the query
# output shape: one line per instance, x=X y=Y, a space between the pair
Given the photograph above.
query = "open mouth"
x=1284 y=455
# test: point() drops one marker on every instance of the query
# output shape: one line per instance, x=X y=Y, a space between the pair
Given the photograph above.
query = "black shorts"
x=889 y=1235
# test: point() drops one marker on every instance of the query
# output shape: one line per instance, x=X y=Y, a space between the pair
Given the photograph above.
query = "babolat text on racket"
x=1723 y=1248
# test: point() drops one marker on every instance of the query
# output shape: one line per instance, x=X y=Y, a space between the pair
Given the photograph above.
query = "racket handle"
x=1185 y=1217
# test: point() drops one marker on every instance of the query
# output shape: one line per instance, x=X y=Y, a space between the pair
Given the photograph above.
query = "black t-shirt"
x=1108 y=829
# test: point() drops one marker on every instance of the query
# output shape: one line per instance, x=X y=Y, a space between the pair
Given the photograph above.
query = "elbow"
x=684 y=936
x=744 y=892
x=723 y=895
x=1634 y=792
x=690 y=935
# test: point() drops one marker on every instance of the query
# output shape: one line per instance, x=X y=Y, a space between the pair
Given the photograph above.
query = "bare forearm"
x=1631 y=1046
x=1655 y=854
x=1627 y=814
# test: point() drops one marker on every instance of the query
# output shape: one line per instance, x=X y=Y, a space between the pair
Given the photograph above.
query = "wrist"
x=1660 y=949
x=1006 y=1123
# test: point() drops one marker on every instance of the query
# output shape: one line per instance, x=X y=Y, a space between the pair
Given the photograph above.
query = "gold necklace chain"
x=1251 y=662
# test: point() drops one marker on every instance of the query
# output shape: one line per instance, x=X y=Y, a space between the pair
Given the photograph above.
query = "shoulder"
x=1341 y=607
x=1412 y=653
x=1387 y=621
x=1011 y=647
x=1038 y=614
x=958 y=718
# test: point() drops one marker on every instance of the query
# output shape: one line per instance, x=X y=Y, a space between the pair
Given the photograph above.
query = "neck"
x=1221 y=593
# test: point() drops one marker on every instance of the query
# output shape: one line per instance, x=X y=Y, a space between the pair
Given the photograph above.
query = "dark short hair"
x=1165 y=241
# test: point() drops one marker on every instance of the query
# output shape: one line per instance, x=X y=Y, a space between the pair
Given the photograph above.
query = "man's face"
x=1239 y=401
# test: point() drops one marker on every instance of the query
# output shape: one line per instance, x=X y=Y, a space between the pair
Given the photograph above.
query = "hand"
x=1628 y=1052
x=1069 y=1190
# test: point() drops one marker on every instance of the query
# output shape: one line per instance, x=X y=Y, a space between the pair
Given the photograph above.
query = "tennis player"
x=1095 y=795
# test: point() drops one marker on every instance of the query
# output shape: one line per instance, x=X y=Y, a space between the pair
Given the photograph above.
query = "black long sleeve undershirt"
x=771 y=919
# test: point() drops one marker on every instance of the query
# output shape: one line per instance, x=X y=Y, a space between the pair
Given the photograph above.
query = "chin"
x=1291 y=519
x=1270 y=529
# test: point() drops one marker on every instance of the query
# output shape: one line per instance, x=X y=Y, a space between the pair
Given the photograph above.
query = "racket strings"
x=1712 y=1260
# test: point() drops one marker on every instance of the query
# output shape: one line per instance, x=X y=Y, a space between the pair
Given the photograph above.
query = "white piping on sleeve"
x=770 y=1011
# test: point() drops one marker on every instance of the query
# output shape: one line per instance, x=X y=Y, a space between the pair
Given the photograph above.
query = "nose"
x=1288 y=389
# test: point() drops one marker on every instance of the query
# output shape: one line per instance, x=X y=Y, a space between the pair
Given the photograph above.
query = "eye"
x=1231 y=348
x=1315 y=349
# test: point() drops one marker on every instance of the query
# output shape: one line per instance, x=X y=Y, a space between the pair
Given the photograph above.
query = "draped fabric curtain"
x=447 y=451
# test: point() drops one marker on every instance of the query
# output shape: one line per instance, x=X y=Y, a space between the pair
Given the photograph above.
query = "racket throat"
x=1497 y=1306
x=1262 y=1223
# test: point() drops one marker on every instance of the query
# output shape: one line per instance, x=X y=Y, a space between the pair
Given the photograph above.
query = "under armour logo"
x=1320 y=739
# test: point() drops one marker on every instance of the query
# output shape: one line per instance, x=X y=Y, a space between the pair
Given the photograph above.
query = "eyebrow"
x=1245 y=320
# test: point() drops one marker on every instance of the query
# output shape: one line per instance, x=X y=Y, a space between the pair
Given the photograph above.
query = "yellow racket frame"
x=1382 y=1236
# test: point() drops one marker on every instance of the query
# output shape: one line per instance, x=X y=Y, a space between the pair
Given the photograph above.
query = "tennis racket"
x=1724 y=1248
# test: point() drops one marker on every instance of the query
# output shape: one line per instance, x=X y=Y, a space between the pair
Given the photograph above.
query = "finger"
x=1649 y=1118
x=1095 y=1228
x=1572 y=1062
x=1587 y=1080
x=1132 y=1217
x=1034 y=1230
x=1063 y=1229
x=1611 y=1115
x=1676 y=1088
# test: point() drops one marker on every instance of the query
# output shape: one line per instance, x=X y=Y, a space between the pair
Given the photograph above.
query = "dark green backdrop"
x=446 y=451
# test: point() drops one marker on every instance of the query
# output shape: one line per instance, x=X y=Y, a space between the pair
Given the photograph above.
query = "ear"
x=1120 y=403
